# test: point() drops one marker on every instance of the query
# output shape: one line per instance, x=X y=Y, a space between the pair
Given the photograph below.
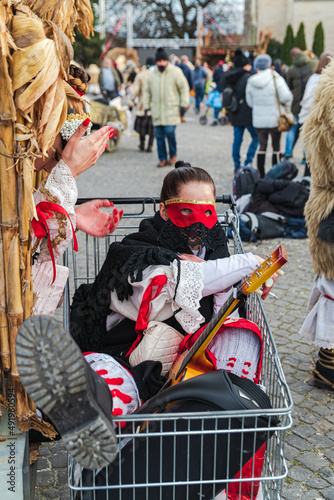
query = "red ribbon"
x=142 y=320
x=328 y=297
x=76 y=90
x=45 y=210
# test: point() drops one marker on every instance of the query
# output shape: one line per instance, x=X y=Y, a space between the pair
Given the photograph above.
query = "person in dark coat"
x=219 y=76
x=200 y=76
x=241 y=119
x=219 y=79
x=187 y=71
x=189 y=77
x=280 y=68
x=297 y=76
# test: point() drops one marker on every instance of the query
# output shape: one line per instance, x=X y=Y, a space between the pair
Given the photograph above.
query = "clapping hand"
x=80 y=155
x=94 y=221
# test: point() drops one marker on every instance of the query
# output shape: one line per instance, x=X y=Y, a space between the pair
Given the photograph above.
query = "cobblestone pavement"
x=309 y=445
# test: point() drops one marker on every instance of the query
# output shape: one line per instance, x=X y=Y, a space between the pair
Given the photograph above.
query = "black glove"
x=182 y=110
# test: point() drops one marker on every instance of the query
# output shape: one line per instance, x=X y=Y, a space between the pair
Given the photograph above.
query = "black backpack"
x=230 y=101
x=283 y=170
x=265 y=226
x=244 y=181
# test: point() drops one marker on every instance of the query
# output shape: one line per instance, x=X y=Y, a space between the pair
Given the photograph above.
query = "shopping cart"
x=229 y=428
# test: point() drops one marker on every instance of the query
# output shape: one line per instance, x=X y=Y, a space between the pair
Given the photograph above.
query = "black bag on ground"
x=283 y=170
x=165 y=451
x=265 y=226
x=244 y=181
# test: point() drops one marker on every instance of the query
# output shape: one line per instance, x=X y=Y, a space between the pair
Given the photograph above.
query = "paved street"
x=309 y=446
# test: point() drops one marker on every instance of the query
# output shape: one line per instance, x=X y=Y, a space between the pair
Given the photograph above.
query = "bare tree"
x=175 y=18
x=248 y=22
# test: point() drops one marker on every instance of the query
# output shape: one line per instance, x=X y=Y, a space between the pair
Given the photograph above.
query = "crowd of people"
x=262 y=90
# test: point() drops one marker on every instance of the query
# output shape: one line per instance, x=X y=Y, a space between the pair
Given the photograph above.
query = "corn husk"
x=35 y=54
x=4 y=332
x=7 y=107
x=65 y=14
x=85 y=19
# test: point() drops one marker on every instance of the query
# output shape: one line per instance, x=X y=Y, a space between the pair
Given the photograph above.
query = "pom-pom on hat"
x=161 y=55
x=263 y=61
x=240 y=60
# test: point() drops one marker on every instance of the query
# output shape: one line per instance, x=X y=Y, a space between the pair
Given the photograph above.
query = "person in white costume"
x=176 y=269
x=55 y=199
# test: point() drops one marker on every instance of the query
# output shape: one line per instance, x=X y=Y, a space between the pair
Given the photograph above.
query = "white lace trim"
x=188 y=294
x=60 y=188
x=61 y=183
x=180 y=295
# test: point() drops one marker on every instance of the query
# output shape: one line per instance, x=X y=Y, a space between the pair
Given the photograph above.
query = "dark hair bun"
x=181 y=163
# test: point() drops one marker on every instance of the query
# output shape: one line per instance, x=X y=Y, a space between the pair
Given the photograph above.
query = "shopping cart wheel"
x=203 y=120
x=222 y=120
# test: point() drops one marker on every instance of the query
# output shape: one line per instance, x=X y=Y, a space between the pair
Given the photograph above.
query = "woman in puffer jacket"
x=261 y=96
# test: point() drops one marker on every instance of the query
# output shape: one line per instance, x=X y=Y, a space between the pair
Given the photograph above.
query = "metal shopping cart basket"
x=154 y=429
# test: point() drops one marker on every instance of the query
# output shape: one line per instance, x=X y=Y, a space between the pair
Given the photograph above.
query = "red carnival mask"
x=183 y=212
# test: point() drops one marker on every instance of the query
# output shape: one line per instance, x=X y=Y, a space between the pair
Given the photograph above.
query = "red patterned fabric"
x=45 y=210
x=189 y=340
x=142 y=319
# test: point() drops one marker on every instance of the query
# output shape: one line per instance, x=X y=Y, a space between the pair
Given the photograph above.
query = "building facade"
x=275 y=15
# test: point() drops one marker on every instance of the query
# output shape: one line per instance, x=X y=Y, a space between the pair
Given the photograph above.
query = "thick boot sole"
x=53 y=372
x=320 y=384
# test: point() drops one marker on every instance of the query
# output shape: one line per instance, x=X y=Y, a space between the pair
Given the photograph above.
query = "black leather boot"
x=261 y=159
x=323 y=371
x=150 y=144
x=62 y=384
x=275 y=159
x=142 y=143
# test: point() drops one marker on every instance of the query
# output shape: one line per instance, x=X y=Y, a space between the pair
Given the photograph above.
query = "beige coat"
x=138 y=91
x=318 y=133
x=165 y=93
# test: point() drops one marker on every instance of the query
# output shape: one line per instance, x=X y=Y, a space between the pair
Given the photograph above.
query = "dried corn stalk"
x=65 y=14
x=35 y=55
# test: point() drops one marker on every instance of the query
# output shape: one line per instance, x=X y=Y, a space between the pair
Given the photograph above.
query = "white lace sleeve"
x=188 y=289
x=180 y=295
x=60 y=188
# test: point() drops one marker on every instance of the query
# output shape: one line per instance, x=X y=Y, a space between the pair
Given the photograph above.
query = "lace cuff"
x=187 y=295
x=61 y=184
x=60 y=188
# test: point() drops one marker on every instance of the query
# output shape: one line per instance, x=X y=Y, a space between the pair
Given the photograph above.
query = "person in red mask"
x=176 y=269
